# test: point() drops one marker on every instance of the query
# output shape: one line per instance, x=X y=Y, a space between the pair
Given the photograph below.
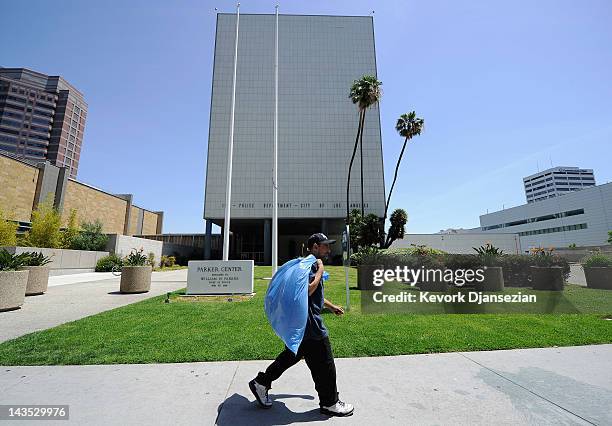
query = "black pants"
x=320 y=361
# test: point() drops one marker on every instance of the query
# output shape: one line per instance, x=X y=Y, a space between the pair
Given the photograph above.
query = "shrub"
x=364 y=254
x=597 y=260
x=33 y=258
x=11 y=262
x=151 y=259
x=516 y=267
x=8 y=231
x=135 y=258
x=106 y=263
x=90 y=237
x=71 y=231
x=465 y=261
x=544 y=257
x=46 y=222
x=488 y=254
x=167 y=261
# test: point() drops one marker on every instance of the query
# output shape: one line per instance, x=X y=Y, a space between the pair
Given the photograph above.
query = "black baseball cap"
x=319 y=238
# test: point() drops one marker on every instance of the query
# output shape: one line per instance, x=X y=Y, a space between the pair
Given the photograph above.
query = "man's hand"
x=320 y=265
x=338 y=310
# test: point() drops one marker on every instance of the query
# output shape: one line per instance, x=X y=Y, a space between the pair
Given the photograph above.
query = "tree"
x=46 y=222
x=408 y=126
x=610 y=237
x=365 y=92
x=364 y=230
x=398 y=221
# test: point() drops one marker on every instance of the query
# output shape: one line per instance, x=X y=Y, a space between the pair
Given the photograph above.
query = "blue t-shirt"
x=315 y=329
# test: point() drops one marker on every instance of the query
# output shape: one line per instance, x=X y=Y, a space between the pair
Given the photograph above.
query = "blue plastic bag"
x=286 y=301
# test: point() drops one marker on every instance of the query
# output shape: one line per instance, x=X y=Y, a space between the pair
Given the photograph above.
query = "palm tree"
x=365 y=92
x=408 y=126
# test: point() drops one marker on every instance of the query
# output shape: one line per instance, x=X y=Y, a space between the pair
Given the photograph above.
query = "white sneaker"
x=261 y=394
x=340 y=409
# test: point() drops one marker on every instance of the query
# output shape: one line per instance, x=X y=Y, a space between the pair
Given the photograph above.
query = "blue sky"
x=504 y=88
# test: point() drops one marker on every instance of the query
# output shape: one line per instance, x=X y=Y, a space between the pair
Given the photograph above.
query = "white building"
x=579 y=217
x=557 y=181
x=319 y=58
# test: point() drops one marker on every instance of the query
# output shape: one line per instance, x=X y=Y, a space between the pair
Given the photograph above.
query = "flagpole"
x=275 y=166
x=230 y=150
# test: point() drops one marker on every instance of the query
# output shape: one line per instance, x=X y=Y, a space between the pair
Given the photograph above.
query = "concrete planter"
x=135 y=279
x=434 y=284
x=598 y=277
x=12 y=289
x=493 y=279
x=365 y=276
x=547 y=278
x=38 y=279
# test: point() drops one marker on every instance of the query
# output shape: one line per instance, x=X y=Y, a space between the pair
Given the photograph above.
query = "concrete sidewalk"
x=577 y=275
x=71 y=297
x=569 y=386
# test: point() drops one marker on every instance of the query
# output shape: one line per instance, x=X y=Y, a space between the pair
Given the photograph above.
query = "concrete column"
x=207 y=240
x=267 y=241
x=324 y=226
x=46 y=183
x=60 y=188
x=160 y=222
x=128 y=211
x=140 y=223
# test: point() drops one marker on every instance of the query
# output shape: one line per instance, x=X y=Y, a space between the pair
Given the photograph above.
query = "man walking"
x=314 y=348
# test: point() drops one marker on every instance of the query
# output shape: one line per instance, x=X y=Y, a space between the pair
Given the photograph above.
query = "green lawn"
x=153 y=331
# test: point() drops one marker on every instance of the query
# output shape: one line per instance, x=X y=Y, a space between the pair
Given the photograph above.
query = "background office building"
x=579 y=217
x=319 y=58
x=41 y=118
x=557 y=181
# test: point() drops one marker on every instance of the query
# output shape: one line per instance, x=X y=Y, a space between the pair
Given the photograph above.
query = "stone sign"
x=220 y=277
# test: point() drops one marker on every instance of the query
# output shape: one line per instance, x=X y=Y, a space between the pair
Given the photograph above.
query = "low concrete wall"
x=194 y=253
x=122 y=245
x=64 y=259
x=577 y=254
x=461 y=243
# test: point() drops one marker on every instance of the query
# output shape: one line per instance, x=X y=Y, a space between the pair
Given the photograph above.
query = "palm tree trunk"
x=348 y=181
x=399 y=160
x=361 y=161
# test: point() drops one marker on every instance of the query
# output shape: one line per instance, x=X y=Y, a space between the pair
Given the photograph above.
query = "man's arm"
x=315 y=282
x=338 y=310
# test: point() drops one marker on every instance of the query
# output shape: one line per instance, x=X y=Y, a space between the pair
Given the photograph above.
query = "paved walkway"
x=577 y=275
x=70 y=297
x=569 y=386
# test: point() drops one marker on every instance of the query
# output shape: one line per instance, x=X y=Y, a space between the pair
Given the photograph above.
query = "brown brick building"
x=41 y=118
x=25 y=182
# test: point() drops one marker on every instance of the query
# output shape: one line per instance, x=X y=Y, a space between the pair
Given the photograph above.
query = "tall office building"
x=319 y=58
x=41 y=118
x=557 y=181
